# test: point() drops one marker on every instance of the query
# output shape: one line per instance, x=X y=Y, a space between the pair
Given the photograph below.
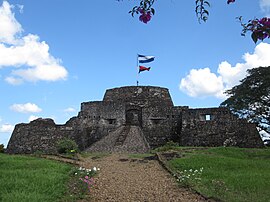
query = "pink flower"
x=145 y=17
x=230 y=1
x=265 y=21
x=86 y=177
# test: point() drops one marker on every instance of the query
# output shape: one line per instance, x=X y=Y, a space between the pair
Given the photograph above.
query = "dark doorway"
x=134 y=117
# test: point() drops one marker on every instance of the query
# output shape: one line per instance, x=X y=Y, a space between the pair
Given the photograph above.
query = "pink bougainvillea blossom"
x=265 y=21
x=230 y=1
x=145 y=17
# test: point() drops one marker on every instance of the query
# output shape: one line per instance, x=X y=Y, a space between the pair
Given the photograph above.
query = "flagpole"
x=137 y=70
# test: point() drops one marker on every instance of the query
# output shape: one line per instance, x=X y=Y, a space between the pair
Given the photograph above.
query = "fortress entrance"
x=134 y=117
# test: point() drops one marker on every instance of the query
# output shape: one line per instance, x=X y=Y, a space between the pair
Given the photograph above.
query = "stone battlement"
x=144 y=94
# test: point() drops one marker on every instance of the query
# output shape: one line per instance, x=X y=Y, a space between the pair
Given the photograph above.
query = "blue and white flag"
x=145 y=59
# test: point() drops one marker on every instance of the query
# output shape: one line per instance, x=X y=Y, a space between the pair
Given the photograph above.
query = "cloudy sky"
x=56 y=54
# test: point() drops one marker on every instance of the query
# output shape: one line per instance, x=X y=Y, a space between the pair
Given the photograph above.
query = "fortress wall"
x=158 y=123
x=217 y=127
x=39 y=135
x=97 y=119
x=162 y=124
x=102 y=113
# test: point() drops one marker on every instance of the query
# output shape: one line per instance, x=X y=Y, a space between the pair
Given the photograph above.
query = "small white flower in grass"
x=76 y=173
x=190 y=170
x=98 y=169
x=80 y=168
x=95 y=169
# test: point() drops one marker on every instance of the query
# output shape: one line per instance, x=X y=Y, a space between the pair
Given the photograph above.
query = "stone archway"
x=134 y=117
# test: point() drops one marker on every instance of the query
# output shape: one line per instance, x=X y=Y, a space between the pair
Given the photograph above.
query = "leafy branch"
x=201 y=12
x=259 y=28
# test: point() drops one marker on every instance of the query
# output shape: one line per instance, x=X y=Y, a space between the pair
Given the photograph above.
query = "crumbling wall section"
x=217 y=127
x=39 y=135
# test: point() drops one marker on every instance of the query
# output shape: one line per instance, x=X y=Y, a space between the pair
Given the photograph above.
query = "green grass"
x=24 y=178
x=229 y=174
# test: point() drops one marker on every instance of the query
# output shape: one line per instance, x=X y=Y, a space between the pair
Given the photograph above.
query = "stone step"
x=122 y=136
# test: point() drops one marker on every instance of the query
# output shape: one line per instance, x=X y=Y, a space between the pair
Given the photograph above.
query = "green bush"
x=168 y=146
x=66 y=146
x=172 y=144
x=2 y=149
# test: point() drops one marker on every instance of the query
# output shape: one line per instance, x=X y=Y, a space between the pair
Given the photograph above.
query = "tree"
x=251 y=98
x=259 y=28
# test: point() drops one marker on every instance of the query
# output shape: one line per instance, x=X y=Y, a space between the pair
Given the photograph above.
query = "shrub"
x=2 y=149
x=66 y=146
x=168 y=146
x=172 y=144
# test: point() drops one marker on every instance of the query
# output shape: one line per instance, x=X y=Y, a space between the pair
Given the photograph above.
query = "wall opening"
x=111 y=121
x=208 y=117
x=134 y=117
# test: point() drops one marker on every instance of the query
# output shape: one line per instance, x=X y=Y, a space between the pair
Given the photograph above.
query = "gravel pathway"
x=124 y=179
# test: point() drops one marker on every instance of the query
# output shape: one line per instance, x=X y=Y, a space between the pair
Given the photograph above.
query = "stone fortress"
x=136 y=119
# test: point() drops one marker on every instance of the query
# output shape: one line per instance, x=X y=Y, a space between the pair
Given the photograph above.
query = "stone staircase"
x=125 y=139
x=122 y=136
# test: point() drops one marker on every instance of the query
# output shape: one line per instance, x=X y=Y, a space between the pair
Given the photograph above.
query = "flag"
x=145 y=59
x=142 y=68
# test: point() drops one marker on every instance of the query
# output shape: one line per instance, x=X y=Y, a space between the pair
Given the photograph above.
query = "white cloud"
x=32 y=118
x=231 y=75
x=6 y=128
x=265 y=6
x=202 y=82
x=27 y=54
x=25 y=108
x=14 y=81
x=69 y=109
x=9 y=25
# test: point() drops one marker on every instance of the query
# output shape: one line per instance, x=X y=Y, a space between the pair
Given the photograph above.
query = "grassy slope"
x=230 y=174
x=32 y=179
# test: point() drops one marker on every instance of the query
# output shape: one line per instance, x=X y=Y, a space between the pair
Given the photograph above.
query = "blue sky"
x=56 y=54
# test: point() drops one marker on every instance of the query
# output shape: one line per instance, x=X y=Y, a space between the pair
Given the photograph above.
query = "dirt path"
x=124 y=179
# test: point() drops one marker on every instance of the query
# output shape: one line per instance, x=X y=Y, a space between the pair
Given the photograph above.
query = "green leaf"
x=206 y=12
x=207 y=3
x=204 y=18
x=254 y=37
x=153 y=11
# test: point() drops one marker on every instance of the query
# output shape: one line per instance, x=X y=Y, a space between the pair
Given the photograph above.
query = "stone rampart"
x=39 y=135
x=217 y=127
